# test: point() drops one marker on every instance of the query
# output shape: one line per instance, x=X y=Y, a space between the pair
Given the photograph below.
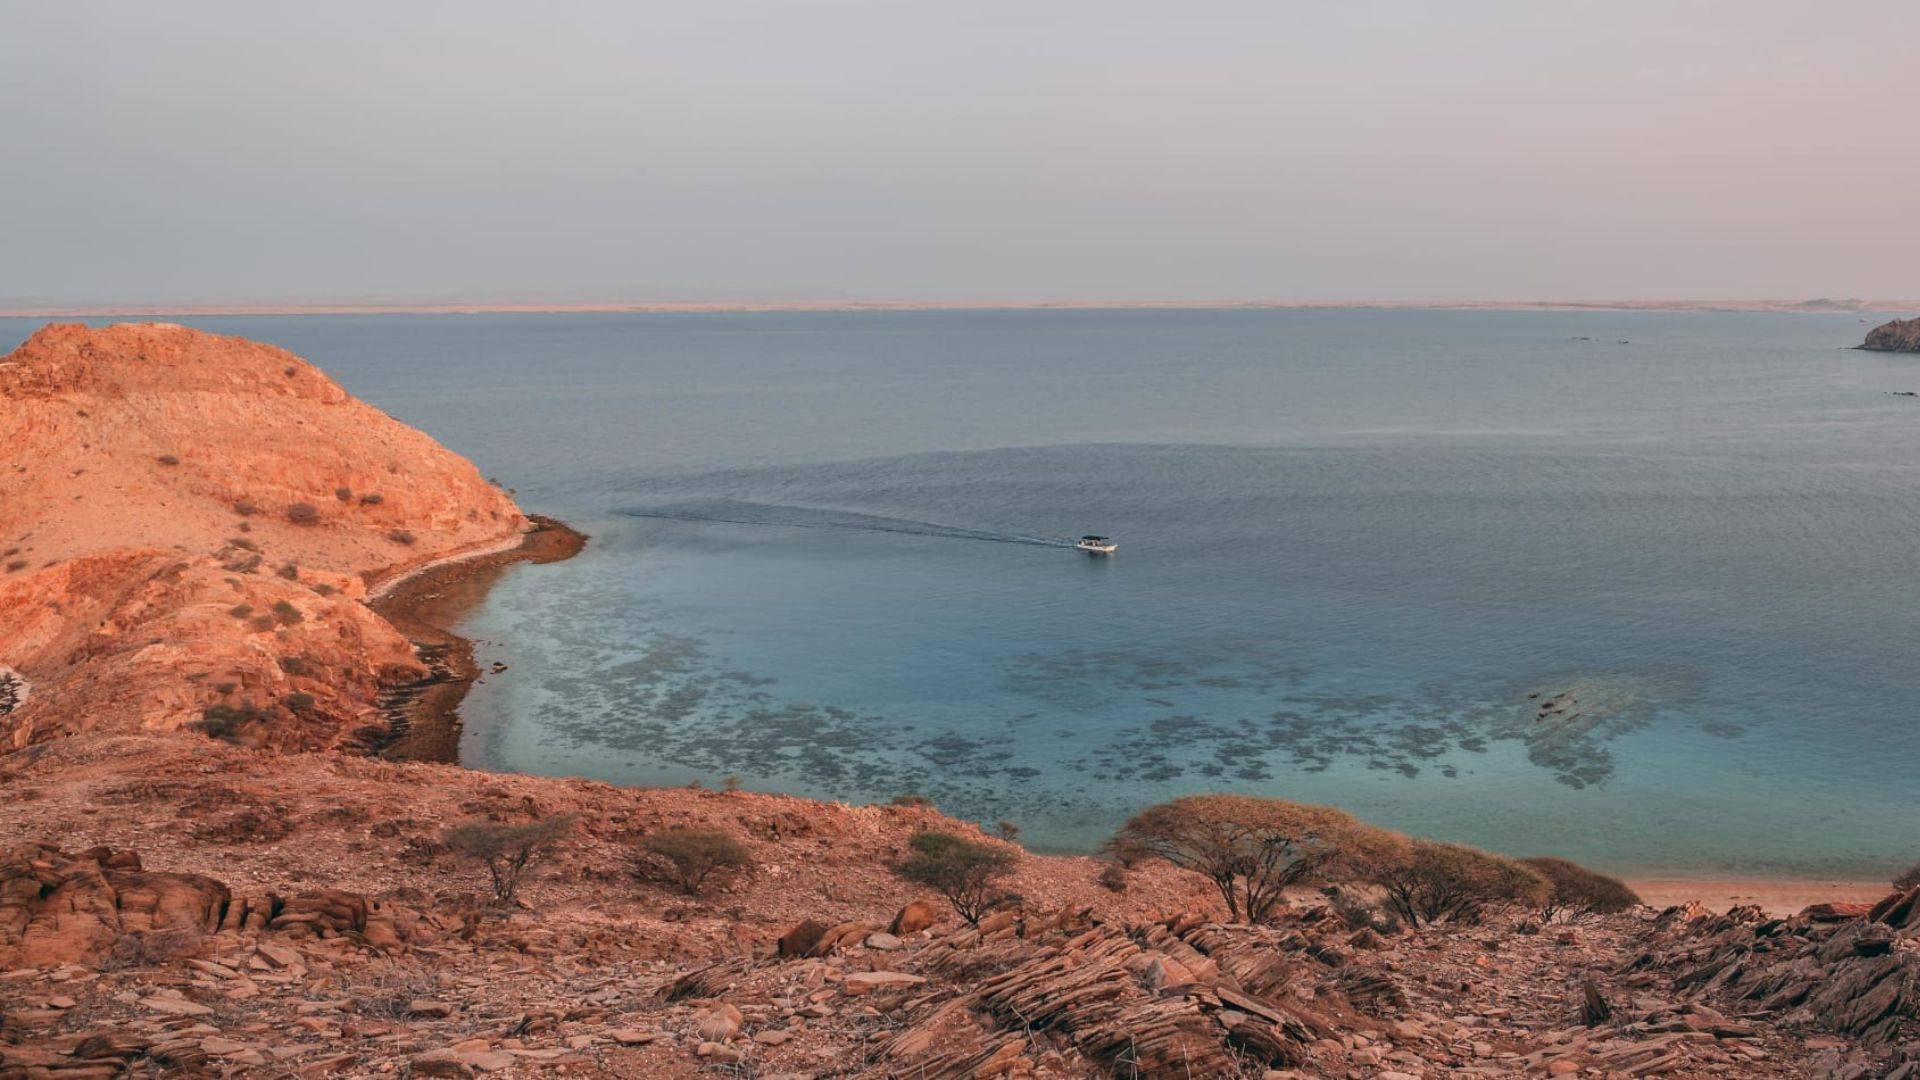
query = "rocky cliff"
x=1900 y=335
x=188 y=526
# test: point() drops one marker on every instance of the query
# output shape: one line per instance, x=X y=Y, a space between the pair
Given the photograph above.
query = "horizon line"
x=55 y=311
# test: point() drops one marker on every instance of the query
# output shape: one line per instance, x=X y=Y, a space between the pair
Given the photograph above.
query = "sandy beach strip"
x=497 y=547
x=425 y=601
x=1772 y=895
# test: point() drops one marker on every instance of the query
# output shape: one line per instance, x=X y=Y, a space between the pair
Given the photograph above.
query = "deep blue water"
x=1358 y=551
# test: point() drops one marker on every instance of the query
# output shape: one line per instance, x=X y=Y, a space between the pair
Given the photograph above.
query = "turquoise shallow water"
x=1358 y=551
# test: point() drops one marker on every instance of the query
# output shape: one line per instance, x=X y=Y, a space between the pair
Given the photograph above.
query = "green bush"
x=1254 y=849
x=1454 y=883
x=964 y=871
x=1573 y=889
x=690 y=858
x=507 y=850
x=225 y=721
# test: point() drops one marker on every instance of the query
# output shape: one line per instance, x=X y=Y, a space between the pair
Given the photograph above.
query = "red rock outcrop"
x=1857 y=975
x=1900 y=335
x=57 y=908
x=189 y=522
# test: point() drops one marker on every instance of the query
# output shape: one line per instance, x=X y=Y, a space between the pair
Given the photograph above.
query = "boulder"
x=1839 y=911
x=718 y=1024
x=801 y=940
x=914 y=918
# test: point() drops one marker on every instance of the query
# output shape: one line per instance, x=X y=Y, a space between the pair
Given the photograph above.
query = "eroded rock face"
x=1857 y=975
x=1900 y=335
x=189 y=522
x=57 y=908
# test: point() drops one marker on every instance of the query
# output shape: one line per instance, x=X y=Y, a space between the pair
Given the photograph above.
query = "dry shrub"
x=285 y=613
x=1908 y=878
x=1574 y=890
x=1359 y=913
x=302 y=513
x=150 y=949
x=245 y=507
x=1113 y=878
x=222 y=721
x=167 y=459
x=1454 y=883
x=372 y=498
x=400 y=536
x=1254 y=849
x=135 y=792
x=250 y=825
x=507 y=850
x=690 y=858
x=964 y=871
x=918 y=801
x=389 y=994
x=343 y=493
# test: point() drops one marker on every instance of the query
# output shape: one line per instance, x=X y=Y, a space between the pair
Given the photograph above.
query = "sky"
x=828 y=150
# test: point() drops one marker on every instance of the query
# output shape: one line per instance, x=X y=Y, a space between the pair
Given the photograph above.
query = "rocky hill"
x=190 y=522
x=203 y=872
x=1900 y=335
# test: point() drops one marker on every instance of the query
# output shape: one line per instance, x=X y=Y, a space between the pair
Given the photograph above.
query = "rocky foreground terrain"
x=1900 y=335
x=190 y=887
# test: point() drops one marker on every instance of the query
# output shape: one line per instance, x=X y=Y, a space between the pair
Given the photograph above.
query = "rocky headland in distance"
x=1900 y=335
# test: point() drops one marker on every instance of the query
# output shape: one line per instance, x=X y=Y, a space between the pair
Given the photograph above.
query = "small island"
x=1900 y=335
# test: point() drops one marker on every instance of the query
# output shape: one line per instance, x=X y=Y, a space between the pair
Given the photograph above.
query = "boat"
x=1096 y=545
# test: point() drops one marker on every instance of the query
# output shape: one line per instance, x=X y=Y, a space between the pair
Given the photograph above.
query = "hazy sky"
x=977 y=150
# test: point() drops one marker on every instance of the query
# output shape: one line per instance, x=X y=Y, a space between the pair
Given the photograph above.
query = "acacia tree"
x=1254 y=849
x=1574 y=890
x=693 y=856
x=964 y=871
x=508 y=850
x=1455 y=883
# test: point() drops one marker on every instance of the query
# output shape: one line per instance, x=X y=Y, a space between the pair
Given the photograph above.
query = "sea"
x=1636 y=588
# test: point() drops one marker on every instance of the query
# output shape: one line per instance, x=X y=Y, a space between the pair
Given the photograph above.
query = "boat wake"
x=737 y=512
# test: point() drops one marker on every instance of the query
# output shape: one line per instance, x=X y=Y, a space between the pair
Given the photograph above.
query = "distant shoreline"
x=1819 y=307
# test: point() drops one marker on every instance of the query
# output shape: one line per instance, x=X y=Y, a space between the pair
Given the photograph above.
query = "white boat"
x=1096 y=545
